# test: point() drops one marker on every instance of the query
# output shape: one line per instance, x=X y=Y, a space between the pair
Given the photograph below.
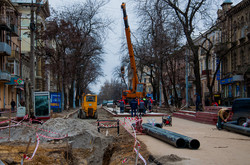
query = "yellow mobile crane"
x=138 y=89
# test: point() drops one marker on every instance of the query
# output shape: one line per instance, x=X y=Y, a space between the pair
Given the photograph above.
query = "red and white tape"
x=5 y=121
x=37 y=144
x=128 y=123
x=107 y=126
x=140 y=156
x=124 y=160
x=62 y=136
x=130 y=118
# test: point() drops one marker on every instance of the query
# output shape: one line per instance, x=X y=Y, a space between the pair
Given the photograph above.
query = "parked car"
x=241 y=110
x=110 y=103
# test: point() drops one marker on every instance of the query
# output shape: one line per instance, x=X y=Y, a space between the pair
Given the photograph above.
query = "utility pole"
x=187 y=105
x=32 y=61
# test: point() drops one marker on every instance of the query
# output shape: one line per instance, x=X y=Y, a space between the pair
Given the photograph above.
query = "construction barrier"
x=37 y=144
x=62 y=136
x=129 y=124
x=100 y=125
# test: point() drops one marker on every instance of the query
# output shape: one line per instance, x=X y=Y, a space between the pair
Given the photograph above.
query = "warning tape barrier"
x=130 y=118
x=107 y=126
x=128 y=123
x=43 y=130
x=17 y=123
x=37 y=144
x=5 y=121
x=124 y=160
x=140 y=156
x=49 y=137
x=38 y=141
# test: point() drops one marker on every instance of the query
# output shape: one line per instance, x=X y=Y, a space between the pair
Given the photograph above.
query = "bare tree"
x=186 y=13
x=159 y=42
x=78 y=33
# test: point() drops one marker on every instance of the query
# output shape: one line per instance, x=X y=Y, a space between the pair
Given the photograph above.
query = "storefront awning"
x=15 y=80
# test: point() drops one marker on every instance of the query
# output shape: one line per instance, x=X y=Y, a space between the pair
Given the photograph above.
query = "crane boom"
x=138 y=89
x=130 y=49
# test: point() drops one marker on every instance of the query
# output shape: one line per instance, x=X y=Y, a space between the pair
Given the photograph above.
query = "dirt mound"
x=85 y=143
x=167 y=159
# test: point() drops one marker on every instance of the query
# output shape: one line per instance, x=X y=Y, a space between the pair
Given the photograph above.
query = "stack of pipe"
x=175 y=139
x=232 y=126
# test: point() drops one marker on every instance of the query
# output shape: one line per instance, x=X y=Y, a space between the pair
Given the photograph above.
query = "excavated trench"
x=83 y=144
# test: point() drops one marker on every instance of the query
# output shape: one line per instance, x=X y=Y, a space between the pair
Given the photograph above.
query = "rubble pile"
x=79 y=134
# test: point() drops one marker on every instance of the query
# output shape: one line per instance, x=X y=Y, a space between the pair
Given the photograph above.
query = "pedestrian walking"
x=13 y=105
x=223 y=116
x=133 y=105
x=197 y=102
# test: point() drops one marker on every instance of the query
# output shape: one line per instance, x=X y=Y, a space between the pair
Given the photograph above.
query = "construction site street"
x=84 y=145
x=217 y=147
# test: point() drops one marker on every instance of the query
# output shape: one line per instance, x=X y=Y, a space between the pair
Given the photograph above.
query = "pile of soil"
x=84 y=145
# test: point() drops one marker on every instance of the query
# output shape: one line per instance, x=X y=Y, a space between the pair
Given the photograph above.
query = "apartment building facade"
x=41 y=12
x=10 y=46
x=209 y=59
x=235 y=46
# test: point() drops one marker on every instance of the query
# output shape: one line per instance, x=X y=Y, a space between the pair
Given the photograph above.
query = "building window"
x=13 y=68
x=149 y=89
x=242 y=32
x=225 y=66
x=234 y=31
x=242 y=57
x=234 y=61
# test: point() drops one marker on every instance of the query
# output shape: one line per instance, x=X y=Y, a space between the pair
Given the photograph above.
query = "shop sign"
x=226 y=81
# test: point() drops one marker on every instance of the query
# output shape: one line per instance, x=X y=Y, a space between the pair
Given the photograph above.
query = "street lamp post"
x=32 y=62
x=186 y=79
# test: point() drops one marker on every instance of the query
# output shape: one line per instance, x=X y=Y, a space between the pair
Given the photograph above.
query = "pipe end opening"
x=194 y=144
x=180 y=143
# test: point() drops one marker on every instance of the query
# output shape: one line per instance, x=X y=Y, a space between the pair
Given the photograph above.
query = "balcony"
x=4 y=22
x=5 y=76
x=5 y=49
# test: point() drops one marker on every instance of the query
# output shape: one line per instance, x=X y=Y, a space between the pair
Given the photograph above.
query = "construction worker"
x=214 y=103
x=150 y=102
x=141 y=107
x=133 y=105
x=145 y=103
x=122 y=105
x=223 y=115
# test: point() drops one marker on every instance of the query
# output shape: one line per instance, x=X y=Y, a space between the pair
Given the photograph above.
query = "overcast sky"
x=113 y=42
x=112 y=45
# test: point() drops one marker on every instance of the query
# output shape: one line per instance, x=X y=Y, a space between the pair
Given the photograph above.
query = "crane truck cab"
x=89 y=107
